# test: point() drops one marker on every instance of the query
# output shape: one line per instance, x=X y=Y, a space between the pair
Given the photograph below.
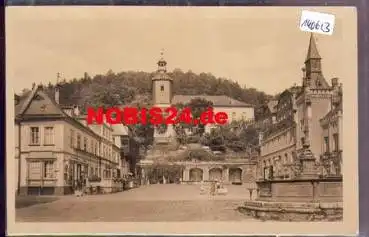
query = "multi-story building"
x=163 y=97
x=56 y=151
x=331 y=153
x=129 y=149
x=305 y=117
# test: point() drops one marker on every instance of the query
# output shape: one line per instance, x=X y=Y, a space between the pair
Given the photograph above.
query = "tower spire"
x=313 y=68
x=313 y=52
x=162 y=63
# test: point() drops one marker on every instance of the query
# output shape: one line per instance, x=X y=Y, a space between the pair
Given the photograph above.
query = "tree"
x=137 y=85
x=144 y=131
x=198 y=106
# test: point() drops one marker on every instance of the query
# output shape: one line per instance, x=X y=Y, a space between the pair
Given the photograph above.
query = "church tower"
x=162 y=93
x=313 y=103
x=162 y=85
x=314 y=78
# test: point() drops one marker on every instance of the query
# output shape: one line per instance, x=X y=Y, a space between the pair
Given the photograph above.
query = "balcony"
x=333 y=155
x=331 y=163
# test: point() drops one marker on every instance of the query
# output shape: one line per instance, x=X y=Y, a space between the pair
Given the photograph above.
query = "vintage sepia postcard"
x=182 y=120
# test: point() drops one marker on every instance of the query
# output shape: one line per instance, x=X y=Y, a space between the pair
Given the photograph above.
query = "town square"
x=104 y=172
x=276 y=157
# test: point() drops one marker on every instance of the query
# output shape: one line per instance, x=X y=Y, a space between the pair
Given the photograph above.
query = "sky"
x=257 y=47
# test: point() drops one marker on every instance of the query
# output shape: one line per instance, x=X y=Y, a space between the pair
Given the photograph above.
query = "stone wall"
x=293 y=211
x=301 y=190
x=297 y=200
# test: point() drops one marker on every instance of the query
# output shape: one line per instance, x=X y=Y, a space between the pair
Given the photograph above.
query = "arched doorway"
x=196 y=175
x=215 y=174
x=235 y=175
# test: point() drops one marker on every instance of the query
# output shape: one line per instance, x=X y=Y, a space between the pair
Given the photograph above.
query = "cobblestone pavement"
x=167 y=202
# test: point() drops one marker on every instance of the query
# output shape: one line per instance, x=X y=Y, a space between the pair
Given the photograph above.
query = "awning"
x=41 y=155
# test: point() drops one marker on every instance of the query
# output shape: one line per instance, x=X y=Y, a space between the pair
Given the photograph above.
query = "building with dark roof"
x=163 y=97
x=303 y=120
x=56 y=151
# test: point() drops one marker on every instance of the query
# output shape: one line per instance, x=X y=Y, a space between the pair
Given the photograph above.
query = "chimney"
x=57 y=88
x=57 y=93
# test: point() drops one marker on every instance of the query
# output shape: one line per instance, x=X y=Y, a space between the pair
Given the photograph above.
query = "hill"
x=130 y=87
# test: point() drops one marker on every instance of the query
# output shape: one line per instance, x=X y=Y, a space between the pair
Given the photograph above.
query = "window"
x=49 y=136
x=336 y=142
x=162 y=88
x=91 y=146
x=302 y=141
x=326 y=144
x=72 y=141
x=285 y=158
x=49 y=169
x=34 y=169
x=85 y=143
x=79 y=141
x=35 y=136
x=96 y=152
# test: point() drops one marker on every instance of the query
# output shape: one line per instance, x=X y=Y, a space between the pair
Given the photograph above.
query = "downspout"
x=19 y=157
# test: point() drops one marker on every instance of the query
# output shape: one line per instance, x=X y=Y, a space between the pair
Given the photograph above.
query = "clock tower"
x=162 y=93
x=162 y=85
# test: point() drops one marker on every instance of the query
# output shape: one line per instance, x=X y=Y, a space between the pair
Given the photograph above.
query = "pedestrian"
x=213 y=187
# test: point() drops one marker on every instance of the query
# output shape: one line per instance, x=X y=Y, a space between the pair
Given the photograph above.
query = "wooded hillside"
x=135 y=87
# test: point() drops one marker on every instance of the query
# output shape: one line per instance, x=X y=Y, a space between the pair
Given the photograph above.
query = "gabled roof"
x=320 y=83
x=37 y=102
x=218 y=100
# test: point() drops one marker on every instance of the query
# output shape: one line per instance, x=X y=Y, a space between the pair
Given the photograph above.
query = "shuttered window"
x=49 y=169
x=40 y=169
x=34 y=170
x=49 y=136
x=35 y=136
